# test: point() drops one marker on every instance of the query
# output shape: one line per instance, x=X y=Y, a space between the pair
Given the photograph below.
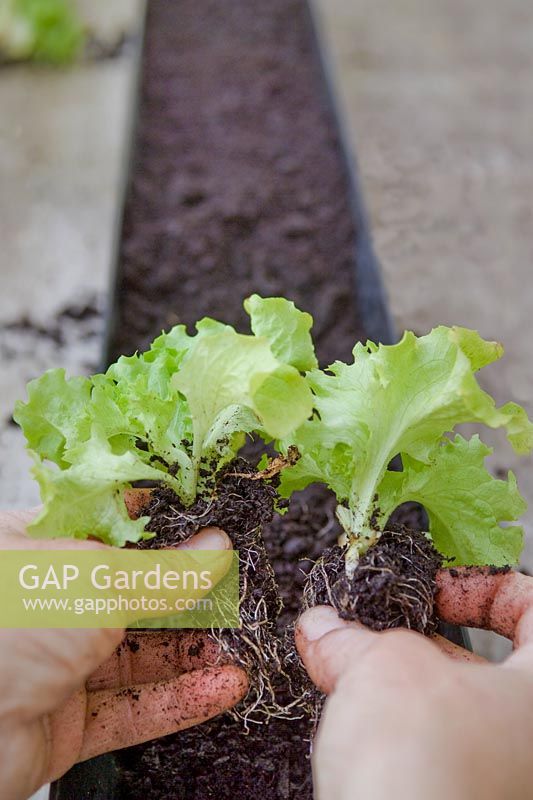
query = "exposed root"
x=240 y=505
x=392 y=586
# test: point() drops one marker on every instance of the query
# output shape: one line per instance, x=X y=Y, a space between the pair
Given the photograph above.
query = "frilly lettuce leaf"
x=394 y=400
x=466 y=506
x=88 y=497
x=233 y=383
x=286 y=328
x=56 y=414
x=43 y=30
x=174 y=414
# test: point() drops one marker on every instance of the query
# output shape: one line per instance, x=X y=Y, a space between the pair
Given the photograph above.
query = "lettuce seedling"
x=42 y=30
x=403 y=400
x=175 y=414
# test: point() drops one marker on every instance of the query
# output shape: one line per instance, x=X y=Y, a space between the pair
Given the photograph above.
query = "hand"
x=410 y=717
x=69 y=695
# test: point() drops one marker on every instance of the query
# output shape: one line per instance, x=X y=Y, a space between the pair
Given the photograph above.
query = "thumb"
x=330 y=646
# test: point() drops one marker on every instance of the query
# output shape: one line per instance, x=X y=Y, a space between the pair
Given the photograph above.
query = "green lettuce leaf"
x=87 y=499
x=174 y=414
x=56 y=414
x=234 y=384
x=466 y=506
x=286 y=328
x=393 y=400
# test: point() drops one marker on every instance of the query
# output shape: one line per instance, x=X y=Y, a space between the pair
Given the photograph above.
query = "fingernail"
x=209 y=539
x=318 y=621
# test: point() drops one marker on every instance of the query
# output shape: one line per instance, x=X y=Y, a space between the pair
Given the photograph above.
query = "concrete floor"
x=63 y=135
x=437 y=100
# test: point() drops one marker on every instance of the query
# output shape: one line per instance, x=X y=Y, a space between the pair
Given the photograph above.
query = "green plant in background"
x=40 y=30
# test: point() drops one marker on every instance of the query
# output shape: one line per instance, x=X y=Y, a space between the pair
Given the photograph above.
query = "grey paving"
x=63 y=135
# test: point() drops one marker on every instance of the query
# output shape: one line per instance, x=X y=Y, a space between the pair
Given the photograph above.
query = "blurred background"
x=435 y=99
